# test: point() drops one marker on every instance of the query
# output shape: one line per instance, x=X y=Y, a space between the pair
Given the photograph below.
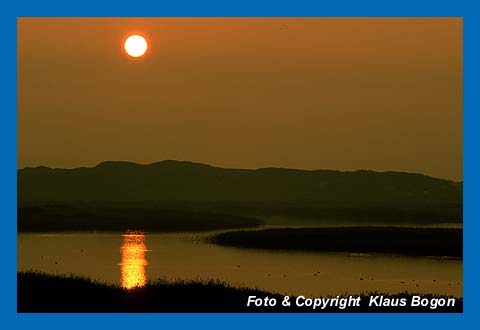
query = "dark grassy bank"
x=38 y=292
x=409 y=241
x=68 y=217
x=331 y=212
x=294 y=211
x=194 y=216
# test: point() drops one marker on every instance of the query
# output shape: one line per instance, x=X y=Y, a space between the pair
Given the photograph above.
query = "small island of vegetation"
x=410 y=241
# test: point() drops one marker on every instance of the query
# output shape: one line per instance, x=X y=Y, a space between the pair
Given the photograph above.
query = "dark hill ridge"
x=171 y=180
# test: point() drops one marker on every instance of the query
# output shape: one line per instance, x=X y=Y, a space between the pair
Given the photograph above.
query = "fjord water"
x=130 y=259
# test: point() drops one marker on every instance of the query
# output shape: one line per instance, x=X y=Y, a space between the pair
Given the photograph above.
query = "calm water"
x=132 y=259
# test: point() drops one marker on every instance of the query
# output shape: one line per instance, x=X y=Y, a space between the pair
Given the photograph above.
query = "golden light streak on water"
x=133 y=262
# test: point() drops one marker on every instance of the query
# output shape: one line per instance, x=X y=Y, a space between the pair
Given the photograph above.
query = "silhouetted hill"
x=174 y=181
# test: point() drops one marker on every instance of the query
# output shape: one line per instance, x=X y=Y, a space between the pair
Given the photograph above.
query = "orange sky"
x=316 y=93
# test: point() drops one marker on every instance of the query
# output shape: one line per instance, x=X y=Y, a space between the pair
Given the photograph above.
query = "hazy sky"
x=380 y=94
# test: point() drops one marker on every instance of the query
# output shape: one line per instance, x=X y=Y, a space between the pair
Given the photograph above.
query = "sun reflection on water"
x=133 y=260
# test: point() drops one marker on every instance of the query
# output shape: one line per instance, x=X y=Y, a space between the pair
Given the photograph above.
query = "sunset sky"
x=316 y=93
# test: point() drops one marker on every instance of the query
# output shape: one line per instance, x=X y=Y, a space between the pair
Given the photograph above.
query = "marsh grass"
x=40 y=292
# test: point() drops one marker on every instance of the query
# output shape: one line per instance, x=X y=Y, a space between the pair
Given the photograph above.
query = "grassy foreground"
x=409 y=241
x=39 y=292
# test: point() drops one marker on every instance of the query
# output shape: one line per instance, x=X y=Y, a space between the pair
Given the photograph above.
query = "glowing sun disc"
x=135 y=45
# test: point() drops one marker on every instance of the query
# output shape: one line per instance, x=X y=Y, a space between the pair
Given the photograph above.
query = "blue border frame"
x=298 y=8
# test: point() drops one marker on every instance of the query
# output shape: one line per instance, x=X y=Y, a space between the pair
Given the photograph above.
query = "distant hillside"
x=174 y=181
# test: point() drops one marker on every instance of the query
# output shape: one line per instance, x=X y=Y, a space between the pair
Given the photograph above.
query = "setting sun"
x=135 y=45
